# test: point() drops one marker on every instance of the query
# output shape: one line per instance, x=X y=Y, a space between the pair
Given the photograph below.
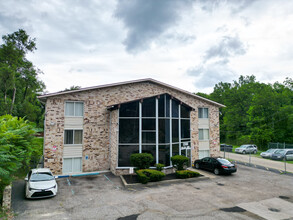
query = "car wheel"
x=243 y=152
x=216 y=171
x=197 y=166
x=254 y=152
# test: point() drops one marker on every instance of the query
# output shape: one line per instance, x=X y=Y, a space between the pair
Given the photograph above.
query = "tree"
x=18 y=147
x=19 y=77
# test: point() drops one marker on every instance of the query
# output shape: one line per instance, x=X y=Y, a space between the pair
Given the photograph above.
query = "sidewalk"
x=259 y=161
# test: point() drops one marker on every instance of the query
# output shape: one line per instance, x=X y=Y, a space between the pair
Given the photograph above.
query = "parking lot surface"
x=248 y=194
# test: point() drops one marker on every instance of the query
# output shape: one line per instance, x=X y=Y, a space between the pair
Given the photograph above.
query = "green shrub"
x=148 y=175
x=141 y=161
x=183 y=174
x=179 y=161
x=160 y=166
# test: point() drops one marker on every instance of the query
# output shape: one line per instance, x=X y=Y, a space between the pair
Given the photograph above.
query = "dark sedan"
x=215 y=164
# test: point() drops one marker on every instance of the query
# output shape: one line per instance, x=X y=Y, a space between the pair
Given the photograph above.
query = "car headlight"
x=30 y=189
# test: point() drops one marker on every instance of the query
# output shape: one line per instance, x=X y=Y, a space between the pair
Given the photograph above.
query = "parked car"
x=226 y=147
x=215 y=164
x=281 y=153
x=246 y=149
x=268 y=153
x=40 y=183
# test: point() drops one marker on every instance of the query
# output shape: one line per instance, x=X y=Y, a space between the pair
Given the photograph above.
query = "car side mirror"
x=26 y=179
x=56 y=177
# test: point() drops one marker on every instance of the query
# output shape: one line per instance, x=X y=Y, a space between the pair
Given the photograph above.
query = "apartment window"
x=203 y=134
x=74 y=109
x=73 y=137
x=203 y=112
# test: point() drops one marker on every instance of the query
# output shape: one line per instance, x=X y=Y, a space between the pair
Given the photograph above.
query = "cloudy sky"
x=191 y=44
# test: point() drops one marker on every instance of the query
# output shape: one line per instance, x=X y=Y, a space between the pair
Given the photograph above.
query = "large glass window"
x=128 y=130
x=74 y=109
x=73 y=137
x=137 y=129
x=203 y=112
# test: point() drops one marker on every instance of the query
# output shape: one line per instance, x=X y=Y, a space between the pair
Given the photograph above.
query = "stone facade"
x=100 y=126
x=6 y=203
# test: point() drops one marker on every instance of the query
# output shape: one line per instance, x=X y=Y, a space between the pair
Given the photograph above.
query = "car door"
x=289 y=155
x=204 y=163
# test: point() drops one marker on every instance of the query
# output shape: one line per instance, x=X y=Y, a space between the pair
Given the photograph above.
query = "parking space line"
x=110 y=181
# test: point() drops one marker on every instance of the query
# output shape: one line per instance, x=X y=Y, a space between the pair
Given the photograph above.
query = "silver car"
x=281 y=153
x=246 y=149
x=268 y=153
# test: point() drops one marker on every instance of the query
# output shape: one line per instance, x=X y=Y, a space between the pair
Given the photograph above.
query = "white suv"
x=246 y=149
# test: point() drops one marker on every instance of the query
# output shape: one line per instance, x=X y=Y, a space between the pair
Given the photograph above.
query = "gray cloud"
x=228 y=47
x=147 y=20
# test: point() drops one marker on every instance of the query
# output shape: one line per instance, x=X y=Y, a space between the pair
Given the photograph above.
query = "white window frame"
x=72 y=136
x=203 y=109
x=74 y=109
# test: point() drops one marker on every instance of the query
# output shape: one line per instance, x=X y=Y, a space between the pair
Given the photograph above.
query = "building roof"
x=45 y=96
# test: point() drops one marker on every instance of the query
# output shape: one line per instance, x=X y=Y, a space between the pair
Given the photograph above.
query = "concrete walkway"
x=259 y=161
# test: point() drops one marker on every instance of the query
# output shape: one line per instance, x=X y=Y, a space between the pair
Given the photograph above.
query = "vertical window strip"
x=140 y=127
x=157 y=130
x=170 y=131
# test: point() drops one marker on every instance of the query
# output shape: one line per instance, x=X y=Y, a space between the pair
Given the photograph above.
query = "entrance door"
x=186 y=151
x=72 y=165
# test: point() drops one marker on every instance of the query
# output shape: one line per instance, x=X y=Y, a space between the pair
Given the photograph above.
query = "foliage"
x=19 y=85
x=179 y=161
x=18 y=146
x=255 y=112
x=160 y=166
x=147 y=175
x=141 y=160
x=183 y=174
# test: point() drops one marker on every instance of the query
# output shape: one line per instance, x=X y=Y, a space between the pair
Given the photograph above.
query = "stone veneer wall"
x=96 y=125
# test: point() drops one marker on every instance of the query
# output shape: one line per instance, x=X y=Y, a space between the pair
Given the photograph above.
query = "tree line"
x=255 y=112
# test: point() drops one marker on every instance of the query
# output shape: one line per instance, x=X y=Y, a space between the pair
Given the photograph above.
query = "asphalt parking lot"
x=249 y=194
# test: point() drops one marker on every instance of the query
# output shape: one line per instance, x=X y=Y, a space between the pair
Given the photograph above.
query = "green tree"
x=19 y=78
x=18 y=146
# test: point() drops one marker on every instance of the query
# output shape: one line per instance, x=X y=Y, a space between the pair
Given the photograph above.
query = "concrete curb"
x=82 y=174
x=194 y=179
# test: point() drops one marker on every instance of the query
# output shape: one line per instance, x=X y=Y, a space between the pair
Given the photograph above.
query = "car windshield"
x=270 y=150
x=243 y=146
x=223 y=161
x=279 y=152
x=36 y=177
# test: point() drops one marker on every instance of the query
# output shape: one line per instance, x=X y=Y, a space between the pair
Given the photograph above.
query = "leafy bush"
x=179 y=161
x=160 y=166
x=18 y=146
x=183 y=174
x=148 y=175
x=141 y=161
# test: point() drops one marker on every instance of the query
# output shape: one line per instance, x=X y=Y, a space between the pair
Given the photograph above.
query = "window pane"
x=78 y=109
x=185 y=112
x=149 y=107
x=175 y=106
x=164 y=154
x=200 y=112
x=76 y=164
x=68 y=137
x=128 y=130
x=162 y=104
x=206 y=135
x=129 y=109
x=200 y=134
x=69 y=108
x=78 y=137
x=205 y=113
x=149 y=124
x=164 y=131
x=185 y=128
x=150 y=149
x=149 y=137
x=167 y=101
x=175 y=131
x=124 y=154
x=67 y=165
x=175 y=149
